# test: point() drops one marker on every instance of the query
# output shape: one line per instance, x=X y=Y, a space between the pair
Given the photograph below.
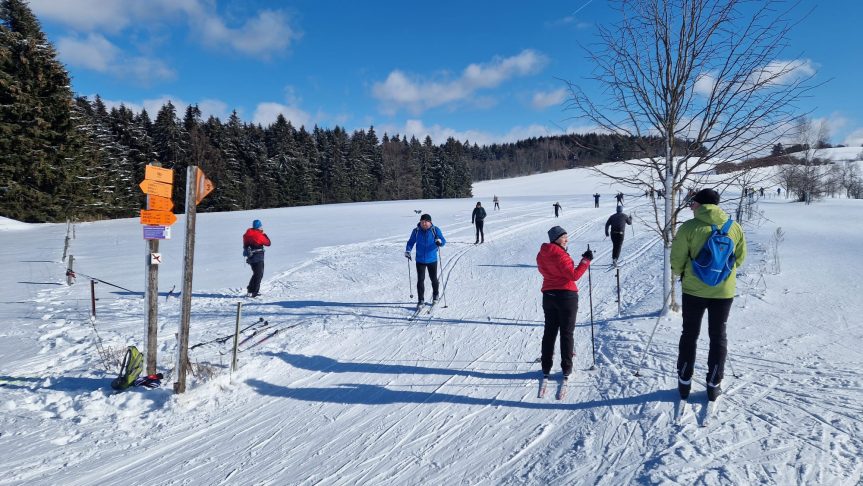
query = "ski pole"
x=731 y=368
x=649 y=340
x=442 y=283
x=410 y=289
x=590 y=294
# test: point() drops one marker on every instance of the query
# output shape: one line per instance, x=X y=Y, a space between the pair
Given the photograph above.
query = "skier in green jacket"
x=698 y=296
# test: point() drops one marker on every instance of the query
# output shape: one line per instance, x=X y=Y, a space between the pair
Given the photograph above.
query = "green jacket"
x=691 y=236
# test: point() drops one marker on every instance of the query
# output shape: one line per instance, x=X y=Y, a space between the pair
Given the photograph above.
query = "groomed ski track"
x=357 y=394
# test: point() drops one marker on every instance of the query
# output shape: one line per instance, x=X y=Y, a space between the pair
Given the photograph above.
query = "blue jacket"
x=424 y=240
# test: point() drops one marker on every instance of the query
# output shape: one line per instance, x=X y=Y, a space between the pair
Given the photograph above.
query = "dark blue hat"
x=555 y=233
x=257 y=224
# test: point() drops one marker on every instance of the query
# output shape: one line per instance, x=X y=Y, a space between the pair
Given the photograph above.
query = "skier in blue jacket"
x=427 y=238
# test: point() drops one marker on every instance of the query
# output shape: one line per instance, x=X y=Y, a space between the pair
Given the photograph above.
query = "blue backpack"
x=715 y=261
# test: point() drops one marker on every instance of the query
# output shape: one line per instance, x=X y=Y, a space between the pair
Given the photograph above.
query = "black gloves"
x=438 y=242
x=588 y=255
x=408 y=255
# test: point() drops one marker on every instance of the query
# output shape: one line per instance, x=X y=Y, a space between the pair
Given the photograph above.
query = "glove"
x=588 y=255
x=408 y=255
x=438 y=242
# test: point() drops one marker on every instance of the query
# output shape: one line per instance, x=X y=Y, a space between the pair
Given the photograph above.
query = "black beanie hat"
x=555 y=233
x=426 y=217
x=706 y=196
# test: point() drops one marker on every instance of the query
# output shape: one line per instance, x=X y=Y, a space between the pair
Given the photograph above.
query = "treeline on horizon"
x=64 y=156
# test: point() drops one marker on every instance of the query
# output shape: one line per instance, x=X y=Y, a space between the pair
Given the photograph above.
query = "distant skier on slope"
x=596 y=200
x=559 y=298
x=557 y=208
x=698 y=296
x=617 y=222
x=496 y=203
x=478 y=218
x=427 y=238
x=254 y=241
x=619 y=197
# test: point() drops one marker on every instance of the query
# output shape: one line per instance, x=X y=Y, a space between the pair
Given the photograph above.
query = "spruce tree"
x=39 y=165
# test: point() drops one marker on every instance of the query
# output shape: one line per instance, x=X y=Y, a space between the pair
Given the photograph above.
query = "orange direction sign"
x=158 y=174
x=155 y=188
x=158 y=203
x=205 y=186
x=163 y=218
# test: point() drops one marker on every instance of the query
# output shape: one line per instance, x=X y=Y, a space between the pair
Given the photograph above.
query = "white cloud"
x=782 y=72
x=216 y=108
x=267 y=112
x=704 y=84
x=439 y=134
x=97 y=53
x=854 y=139
x=773 y=73
x=415 y=94
x=92 y=52
x=86 y=15
x=261 y=35
x=544 y=99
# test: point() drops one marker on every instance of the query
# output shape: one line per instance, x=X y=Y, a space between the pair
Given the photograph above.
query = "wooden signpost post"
x=197 y=187
x=157 y=218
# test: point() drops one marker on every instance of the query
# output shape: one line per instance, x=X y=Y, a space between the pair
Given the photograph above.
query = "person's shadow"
x=371 y=394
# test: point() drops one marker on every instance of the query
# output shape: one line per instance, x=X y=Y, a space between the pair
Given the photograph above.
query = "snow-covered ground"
x=349 y=391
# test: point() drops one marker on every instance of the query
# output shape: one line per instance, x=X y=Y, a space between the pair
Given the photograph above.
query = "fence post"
x=93 y=298
x=70 y=274
x=236 y=337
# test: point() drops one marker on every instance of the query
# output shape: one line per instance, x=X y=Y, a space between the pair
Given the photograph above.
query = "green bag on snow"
x=133 y=365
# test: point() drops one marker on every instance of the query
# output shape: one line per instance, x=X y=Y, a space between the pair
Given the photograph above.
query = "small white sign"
x=152 y=232
x=155 y=258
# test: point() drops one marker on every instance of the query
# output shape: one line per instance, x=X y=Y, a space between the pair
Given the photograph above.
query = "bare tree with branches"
x=707 y=77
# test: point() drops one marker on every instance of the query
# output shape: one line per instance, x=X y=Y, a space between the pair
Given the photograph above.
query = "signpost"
x=158 y=218
x=197 y=187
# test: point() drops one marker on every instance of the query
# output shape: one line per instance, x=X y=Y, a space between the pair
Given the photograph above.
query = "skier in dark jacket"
x=427 y=238
x=619 y=198
x=559 y=297
x=557 y=208
x=596 y=200
x=254 y=241
x=617 y=222
x=478 y=218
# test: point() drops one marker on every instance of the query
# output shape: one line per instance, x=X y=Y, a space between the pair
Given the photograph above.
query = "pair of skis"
x=561 y=388
x=682 y=411
x=267 y=336
x=421 y=307
x=260 y=323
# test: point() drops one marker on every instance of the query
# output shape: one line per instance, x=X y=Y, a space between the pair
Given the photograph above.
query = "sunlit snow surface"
x=352 y=392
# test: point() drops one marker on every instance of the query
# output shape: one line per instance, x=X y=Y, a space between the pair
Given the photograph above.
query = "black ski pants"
x=717 y=315
x=616 y=244
x=480 y=234
x=560 y=308
x=421 y=277
x=254 y=286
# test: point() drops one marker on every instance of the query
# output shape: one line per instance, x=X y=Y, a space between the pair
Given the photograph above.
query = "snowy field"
x=349 y=391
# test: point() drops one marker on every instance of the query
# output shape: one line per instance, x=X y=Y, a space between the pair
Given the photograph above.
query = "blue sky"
x=486 y=71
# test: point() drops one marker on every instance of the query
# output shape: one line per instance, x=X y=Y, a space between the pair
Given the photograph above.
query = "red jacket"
x=557 y=269
x=255 y=238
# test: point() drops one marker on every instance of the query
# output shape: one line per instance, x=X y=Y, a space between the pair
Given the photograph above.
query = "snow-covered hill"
x=349 y=391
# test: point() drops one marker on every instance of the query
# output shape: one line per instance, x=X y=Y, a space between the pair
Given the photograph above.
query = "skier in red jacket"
x=254 y=241
x=559 y=297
